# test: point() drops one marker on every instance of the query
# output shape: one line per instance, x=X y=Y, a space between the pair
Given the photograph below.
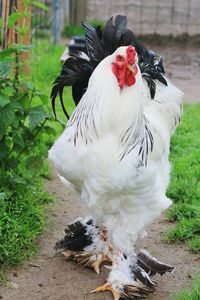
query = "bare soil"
x=182 y=65
x=49 y=276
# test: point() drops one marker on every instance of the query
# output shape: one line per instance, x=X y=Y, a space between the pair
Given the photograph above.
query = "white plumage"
x=114 y=152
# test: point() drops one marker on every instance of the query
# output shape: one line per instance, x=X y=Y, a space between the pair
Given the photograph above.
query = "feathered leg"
x=86 y=244
x=127 y=280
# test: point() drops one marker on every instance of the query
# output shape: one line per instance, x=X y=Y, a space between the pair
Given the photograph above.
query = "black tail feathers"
x=78 y=235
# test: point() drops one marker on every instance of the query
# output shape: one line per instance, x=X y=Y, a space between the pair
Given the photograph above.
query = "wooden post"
x=5 y=14
x=25 y=39
x=81 y=11
x=9 y=34
x=77 y=11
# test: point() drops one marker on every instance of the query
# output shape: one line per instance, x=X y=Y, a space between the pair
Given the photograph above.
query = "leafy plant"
x=23 y=125
x=25 y=136
x=24 y=113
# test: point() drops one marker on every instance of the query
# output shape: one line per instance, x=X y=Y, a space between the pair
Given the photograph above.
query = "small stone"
x=14 y=285
x=40 y=284
x=15 y=273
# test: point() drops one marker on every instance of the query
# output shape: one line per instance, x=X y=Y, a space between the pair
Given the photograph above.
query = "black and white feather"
x=78 y=235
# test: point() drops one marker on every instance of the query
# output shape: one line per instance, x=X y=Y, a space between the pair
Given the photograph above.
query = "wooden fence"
x=151 y=16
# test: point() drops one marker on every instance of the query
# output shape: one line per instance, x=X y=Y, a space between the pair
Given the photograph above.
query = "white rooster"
x=114 y=152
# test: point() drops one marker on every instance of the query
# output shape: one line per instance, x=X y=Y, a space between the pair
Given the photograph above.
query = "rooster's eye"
x=120 y=57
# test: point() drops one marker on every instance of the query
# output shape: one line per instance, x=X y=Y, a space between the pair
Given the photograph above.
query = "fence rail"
x=152 y=16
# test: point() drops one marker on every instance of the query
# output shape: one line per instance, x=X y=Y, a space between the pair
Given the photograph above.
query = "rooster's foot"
x=86 y=244
x=127 y=279
x=87 y=259
x=131 y=291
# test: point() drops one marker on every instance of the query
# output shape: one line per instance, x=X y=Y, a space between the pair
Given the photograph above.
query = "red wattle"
x=120 y=73
x=130 y=80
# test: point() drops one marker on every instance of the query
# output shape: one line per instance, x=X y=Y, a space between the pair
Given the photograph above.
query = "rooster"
x=114 y=152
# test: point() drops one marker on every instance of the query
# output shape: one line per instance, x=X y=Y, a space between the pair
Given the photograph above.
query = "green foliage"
x=26 y=133
x=40 y=23
x=21 y=220
x=44 y=74
x=12 y=19
x=40 y=5
x=192 y=293
x=194 y=244
x=23 y=124
x=185 y=184
x=96 y=23
x=72 y=29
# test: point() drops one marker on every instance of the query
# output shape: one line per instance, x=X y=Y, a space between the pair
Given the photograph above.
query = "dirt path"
x=182 y=67
x=49 y=276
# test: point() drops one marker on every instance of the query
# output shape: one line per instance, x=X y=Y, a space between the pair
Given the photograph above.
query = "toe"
x=108 y=287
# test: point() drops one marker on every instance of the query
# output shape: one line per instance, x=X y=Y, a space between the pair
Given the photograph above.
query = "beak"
x=133 y=68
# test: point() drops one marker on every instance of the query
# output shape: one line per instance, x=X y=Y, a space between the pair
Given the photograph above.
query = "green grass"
x=21 y=220
x=45 y=63
x=192 y=293
x=185 y=182
x=45 y=67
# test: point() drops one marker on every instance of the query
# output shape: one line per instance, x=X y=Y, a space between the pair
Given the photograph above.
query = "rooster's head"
x=125 y=67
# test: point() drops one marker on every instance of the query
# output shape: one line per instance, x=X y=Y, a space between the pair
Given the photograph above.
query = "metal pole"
x=56 y=21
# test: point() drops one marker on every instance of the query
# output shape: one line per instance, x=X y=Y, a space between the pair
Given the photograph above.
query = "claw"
x=107 y=287
x=129 y=291
x=96 y=264
x=68 y=254
x=87 y=259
